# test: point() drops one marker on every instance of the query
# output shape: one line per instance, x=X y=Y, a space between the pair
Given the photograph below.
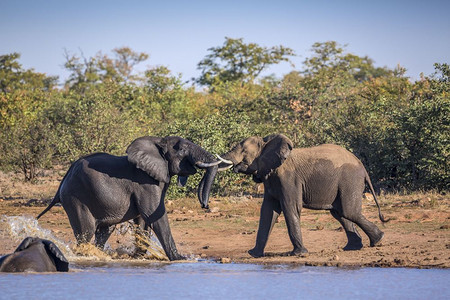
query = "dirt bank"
x=418 y=234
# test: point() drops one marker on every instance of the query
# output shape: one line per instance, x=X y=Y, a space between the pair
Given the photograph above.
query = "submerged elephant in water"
x=323 y=177
x=102 y=190
x=35 y=255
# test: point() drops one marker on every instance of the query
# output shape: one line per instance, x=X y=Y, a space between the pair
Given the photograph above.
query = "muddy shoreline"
x=417 y=236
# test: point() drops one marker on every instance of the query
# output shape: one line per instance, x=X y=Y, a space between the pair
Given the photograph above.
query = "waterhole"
x=104 y=278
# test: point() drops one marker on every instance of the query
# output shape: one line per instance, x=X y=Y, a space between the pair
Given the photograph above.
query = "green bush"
x=216 y=133
x=398 y=128
x=95 y=122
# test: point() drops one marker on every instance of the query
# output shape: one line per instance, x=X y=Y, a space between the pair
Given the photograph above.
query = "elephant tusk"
x=226 y=161
x=225 y=168
x=207 y=165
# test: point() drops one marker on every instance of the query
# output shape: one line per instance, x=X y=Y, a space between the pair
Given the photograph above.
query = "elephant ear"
x=61 y=263
x=25 y=244
x=147 y=153
x=275 y=151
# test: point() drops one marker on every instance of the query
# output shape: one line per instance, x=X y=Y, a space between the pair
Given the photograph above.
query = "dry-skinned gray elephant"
x=102 y=190
x=323 y=177
x=35 y=255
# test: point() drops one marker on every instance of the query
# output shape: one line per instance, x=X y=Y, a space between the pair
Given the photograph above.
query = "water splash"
x=20 y=227
x=143 y=243
x=135 y=243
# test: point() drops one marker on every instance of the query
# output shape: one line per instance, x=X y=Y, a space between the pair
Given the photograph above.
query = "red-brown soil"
x=417 y=235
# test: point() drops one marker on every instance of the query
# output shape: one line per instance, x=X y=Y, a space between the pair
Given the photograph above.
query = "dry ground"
x=418 y=234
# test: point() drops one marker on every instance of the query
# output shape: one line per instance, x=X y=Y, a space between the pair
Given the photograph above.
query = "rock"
x=214 y=209
x=225 y=260
x=247 y=232
x=368 y=196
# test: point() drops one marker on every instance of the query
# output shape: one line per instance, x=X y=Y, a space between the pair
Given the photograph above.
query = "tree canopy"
x=236 y=61
x=400 y=129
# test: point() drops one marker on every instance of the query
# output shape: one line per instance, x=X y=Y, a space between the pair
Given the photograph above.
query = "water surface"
x=227 y=281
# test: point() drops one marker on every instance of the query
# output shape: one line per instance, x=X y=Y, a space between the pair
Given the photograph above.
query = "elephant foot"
x=177 y=256
x=298 y=251
x=377 y=240
x=254 y=253
x=353 y=246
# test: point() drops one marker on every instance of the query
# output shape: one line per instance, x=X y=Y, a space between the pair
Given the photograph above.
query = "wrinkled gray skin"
x=323 y=177
x=102 y=190
x=35 y=255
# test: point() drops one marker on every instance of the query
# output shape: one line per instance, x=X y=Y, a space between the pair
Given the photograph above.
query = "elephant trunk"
x=204 y=188
x=205 y=160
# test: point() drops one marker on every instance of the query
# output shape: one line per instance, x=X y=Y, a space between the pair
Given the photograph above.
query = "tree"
x=237 y=61
x=24 y=134
x=86 y=72
x=13 y=76
x=121 y=69
x=331 y=56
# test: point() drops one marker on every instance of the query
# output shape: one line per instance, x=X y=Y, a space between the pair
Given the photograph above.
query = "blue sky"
x=177 y=34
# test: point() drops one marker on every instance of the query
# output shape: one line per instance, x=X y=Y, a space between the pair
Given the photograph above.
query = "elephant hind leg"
x=373 y=232
x=83 y=236
x=102 y=234
x=350 y=195
x=82 y=222
x=354 y=241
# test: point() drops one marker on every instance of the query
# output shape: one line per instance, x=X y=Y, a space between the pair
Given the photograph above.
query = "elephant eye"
x=245 y=161
x=182 y=152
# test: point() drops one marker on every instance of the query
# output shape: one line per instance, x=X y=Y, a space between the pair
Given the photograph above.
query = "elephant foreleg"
x=270 y=210
x=291 y=209
x=162 y=230
x=154 y=214
x=354 y=239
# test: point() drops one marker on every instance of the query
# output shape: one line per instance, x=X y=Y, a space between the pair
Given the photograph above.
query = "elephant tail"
x=369 y=183
x=57 y=198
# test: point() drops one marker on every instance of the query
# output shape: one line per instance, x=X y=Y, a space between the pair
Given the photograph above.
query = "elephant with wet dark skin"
x=35 y=255
x=102 y=190
x=324 y=177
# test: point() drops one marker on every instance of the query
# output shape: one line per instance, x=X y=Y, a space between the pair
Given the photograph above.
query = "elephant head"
x=258 y=156
x=37 y=255
x=165 y=157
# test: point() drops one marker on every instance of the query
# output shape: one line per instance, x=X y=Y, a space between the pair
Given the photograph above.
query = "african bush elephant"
x=101 y=190
x=35 y=255
x=323 y=177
